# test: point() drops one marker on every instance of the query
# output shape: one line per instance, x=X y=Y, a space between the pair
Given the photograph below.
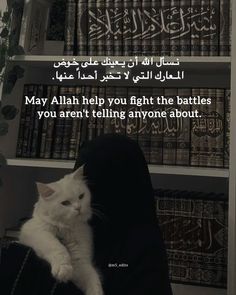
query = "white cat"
x=59 y=231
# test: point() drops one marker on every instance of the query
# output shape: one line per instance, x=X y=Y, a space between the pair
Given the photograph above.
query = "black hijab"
x=125 y=228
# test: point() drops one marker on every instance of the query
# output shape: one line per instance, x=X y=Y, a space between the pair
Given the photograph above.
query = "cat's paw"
x=62 y=272
x=95 y=289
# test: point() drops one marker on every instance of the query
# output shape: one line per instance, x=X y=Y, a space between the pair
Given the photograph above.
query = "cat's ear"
x=79 y=173
x=44 y=190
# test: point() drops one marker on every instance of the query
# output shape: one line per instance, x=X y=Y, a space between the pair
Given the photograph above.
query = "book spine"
x=165 y=39
x=109 y=123
x=195 y=137
x=225 y=28
x=219 y=127
x=109 y=48
x=211 y=122
x=27 y=126
x=101 y=28
x=70 y=24
x=174 y=26
x=156 y=35
x=203 y=129
x=146 y=33
x=85 y=121
x=132 y=123
x=195 y=34
x=82 y=27
x=79 y=140
x=127 y=29
x=120 y=122
x=67 y=128
x=183 y=132
x=169 y=139
x=31 y=126
x=51 y=122
x=144 y=126
x=100 y=120
x=136 y=28
x=214 y=28
x=118 y=27
x=227 y=129
x=59 y=127
x=22 y=123
x=205 y=23
x=92 y=121
x=45 y=123
x=92 y=33
x=76 y=122
x=184 y=31
x=157 y=130
x=35 y=146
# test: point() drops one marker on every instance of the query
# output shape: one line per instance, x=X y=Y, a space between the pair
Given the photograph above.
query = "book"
x=211 y=123
x=70 y=25
x=100 y=120
x=101 y=27
x=127 y=28
x=91 y=128
x=34 y=149
x=82 y=27
x=45 y=123
x=146 y=28
x=170 y=127
x=67 y=126
x=29 y=115
x=51 y=123
x=219 y=127
x=183 y=132
x=23 y=112
x=195 y=136
x=195 y=33
x=165 y=39
x=75 y=128
x=92 y=27
x=214 y=28
x=174 y=28
x=155 y=35
x=202 y=131
x=225 y=27
x=109 y=36
x=144 y=126
x=227 y=129
x=136 y=22
x=156 y=132
x=205 y=24
x=59 y=127
x=118 y=27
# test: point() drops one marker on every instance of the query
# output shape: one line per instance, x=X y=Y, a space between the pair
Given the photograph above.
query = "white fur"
x=61 y=235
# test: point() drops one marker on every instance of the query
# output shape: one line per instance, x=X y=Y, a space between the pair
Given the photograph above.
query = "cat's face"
x=65 y=200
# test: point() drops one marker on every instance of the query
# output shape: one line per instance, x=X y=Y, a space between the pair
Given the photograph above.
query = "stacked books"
x=202 y=141
x=194 y=227
x=148 y=27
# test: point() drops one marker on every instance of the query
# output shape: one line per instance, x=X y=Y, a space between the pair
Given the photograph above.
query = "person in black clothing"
x=128 y=247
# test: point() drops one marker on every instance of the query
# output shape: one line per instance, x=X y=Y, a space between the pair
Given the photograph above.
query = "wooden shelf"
x=153 y=169
x=183 y=59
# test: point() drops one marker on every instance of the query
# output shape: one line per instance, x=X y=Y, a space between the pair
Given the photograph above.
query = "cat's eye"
x=81 y=196
x=66 y=203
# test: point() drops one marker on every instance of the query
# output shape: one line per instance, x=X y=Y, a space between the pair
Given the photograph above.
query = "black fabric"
x=125 y=230
x=129 y=250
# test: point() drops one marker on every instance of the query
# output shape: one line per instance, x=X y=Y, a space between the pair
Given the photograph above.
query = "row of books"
x=148 y=27
x=202 y=141
x=194 y=227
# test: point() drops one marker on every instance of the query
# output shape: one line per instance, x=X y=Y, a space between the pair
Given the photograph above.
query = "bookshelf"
x=205 y=71
x=154 y=169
